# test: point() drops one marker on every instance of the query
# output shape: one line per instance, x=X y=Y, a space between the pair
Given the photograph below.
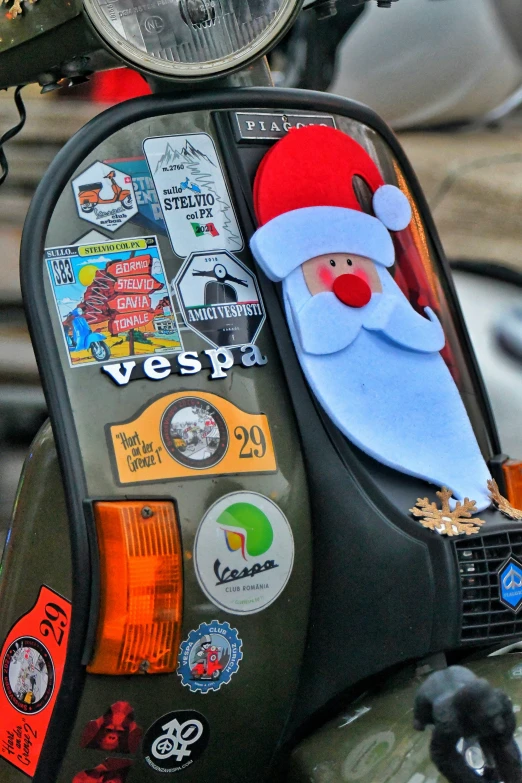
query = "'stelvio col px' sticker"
x=32 y=660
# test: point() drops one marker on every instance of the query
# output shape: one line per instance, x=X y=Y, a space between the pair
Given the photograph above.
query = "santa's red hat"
x=306 y=204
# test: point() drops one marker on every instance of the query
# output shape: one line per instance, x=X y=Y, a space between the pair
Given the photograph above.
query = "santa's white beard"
x=378 y=374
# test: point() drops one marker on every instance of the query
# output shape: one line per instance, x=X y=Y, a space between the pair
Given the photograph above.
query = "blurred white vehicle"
x=433 y=62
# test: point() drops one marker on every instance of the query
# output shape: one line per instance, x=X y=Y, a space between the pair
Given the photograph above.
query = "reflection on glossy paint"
x=367 y=754
x=347 y=719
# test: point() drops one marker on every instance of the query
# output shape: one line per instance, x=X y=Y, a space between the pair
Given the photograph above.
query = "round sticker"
x=176 y=741
x=244 y=552
x=28 y=675
x=209 y=657
x=194 y=433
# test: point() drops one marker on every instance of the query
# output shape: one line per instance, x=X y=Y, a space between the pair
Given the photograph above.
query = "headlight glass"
x=190 y=38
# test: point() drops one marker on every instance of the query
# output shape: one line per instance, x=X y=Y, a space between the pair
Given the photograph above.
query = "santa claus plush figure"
x=372 y=361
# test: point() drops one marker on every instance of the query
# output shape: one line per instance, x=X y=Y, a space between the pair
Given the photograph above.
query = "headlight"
x=190 y=38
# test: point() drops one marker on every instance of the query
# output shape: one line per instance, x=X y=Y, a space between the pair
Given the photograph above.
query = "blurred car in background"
x=434 y=62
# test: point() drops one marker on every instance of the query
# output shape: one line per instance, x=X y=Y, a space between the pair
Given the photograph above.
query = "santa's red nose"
x=352 y=290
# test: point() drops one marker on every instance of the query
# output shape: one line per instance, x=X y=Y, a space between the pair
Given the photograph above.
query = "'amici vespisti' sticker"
x=244 y=552
x=209 y=657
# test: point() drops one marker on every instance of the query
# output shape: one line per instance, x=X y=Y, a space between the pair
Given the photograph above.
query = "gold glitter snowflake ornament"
x=502 y=504
x=16 y=8
x=444 y=520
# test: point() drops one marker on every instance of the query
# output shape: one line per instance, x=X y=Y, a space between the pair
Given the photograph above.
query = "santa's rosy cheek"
x=326 y=276
x=363 y=276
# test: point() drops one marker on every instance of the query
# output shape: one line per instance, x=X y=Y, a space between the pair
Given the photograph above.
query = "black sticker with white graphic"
x=176 y=741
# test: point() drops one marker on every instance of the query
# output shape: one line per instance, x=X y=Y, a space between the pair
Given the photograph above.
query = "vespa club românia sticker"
x=32 y=660
x=113 y=300
x=243 y=552
x=104 y=196
x=193 y=195
x=209 y=657
x=220 y=299
x=176 y=741
x=188 y=434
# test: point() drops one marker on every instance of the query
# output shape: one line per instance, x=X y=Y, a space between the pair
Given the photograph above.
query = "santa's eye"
x=349 y=261
x=332 y=262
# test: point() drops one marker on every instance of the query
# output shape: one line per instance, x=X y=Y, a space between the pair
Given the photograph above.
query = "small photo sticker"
x=176 y=741
x=244 y=552
x=28 y=675
x=209 y=657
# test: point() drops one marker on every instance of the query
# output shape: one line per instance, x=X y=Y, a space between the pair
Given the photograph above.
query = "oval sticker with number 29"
x=190 y=434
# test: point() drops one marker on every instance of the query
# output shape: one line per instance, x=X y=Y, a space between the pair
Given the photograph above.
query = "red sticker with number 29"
x=32 y=660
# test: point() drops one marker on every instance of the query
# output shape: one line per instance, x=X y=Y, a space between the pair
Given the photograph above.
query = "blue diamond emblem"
x=510 y=584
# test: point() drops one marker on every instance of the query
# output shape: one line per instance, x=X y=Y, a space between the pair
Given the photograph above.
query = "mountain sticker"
x=193 y=195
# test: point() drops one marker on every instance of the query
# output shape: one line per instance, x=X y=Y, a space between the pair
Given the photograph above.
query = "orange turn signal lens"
x=141 y=581
x=513 y=477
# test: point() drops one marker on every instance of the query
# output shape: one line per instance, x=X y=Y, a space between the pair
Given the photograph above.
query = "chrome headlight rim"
x=191 y=72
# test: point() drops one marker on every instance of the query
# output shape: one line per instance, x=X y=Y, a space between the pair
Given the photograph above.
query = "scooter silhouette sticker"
x=244 y=552
x=113 y=300
x=209 y=657
x=32 y=660
x=192 y=192
x=220 y=299
x=104 y=196
x=176 y=741
x=188 y=434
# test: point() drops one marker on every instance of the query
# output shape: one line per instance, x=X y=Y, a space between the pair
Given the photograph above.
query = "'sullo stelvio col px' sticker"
x=244 y=552
x=209 y=657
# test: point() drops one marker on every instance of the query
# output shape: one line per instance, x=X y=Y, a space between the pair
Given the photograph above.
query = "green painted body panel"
x=37 y=550
x=261 y=693
x=373 y=740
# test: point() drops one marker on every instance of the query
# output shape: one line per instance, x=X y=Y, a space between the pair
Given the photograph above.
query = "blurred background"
x=445 y=74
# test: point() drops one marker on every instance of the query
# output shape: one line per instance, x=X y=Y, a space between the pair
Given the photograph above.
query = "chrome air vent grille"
x=484 y=617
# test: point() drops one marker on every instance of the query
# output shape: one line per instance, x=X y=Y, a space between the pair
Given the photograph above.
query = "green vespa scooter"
x=210 y=571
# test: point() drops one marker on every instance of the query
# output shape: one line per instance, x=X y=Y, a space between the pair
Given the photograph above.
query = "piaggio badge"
x=510 y=584
x=255 y=126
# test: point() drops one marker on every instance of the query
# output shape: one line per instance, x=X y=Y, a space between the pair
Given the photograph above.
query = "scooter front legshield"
x=191 y=401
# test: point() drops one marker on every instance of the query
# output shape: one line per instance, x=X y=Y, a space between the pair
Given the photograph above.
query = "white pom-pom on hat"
x=391 y=207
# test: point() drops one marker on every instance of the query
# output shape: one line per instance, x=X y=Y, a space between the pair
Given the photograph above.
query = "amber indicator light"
x=513 y=478
x=141 y=588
